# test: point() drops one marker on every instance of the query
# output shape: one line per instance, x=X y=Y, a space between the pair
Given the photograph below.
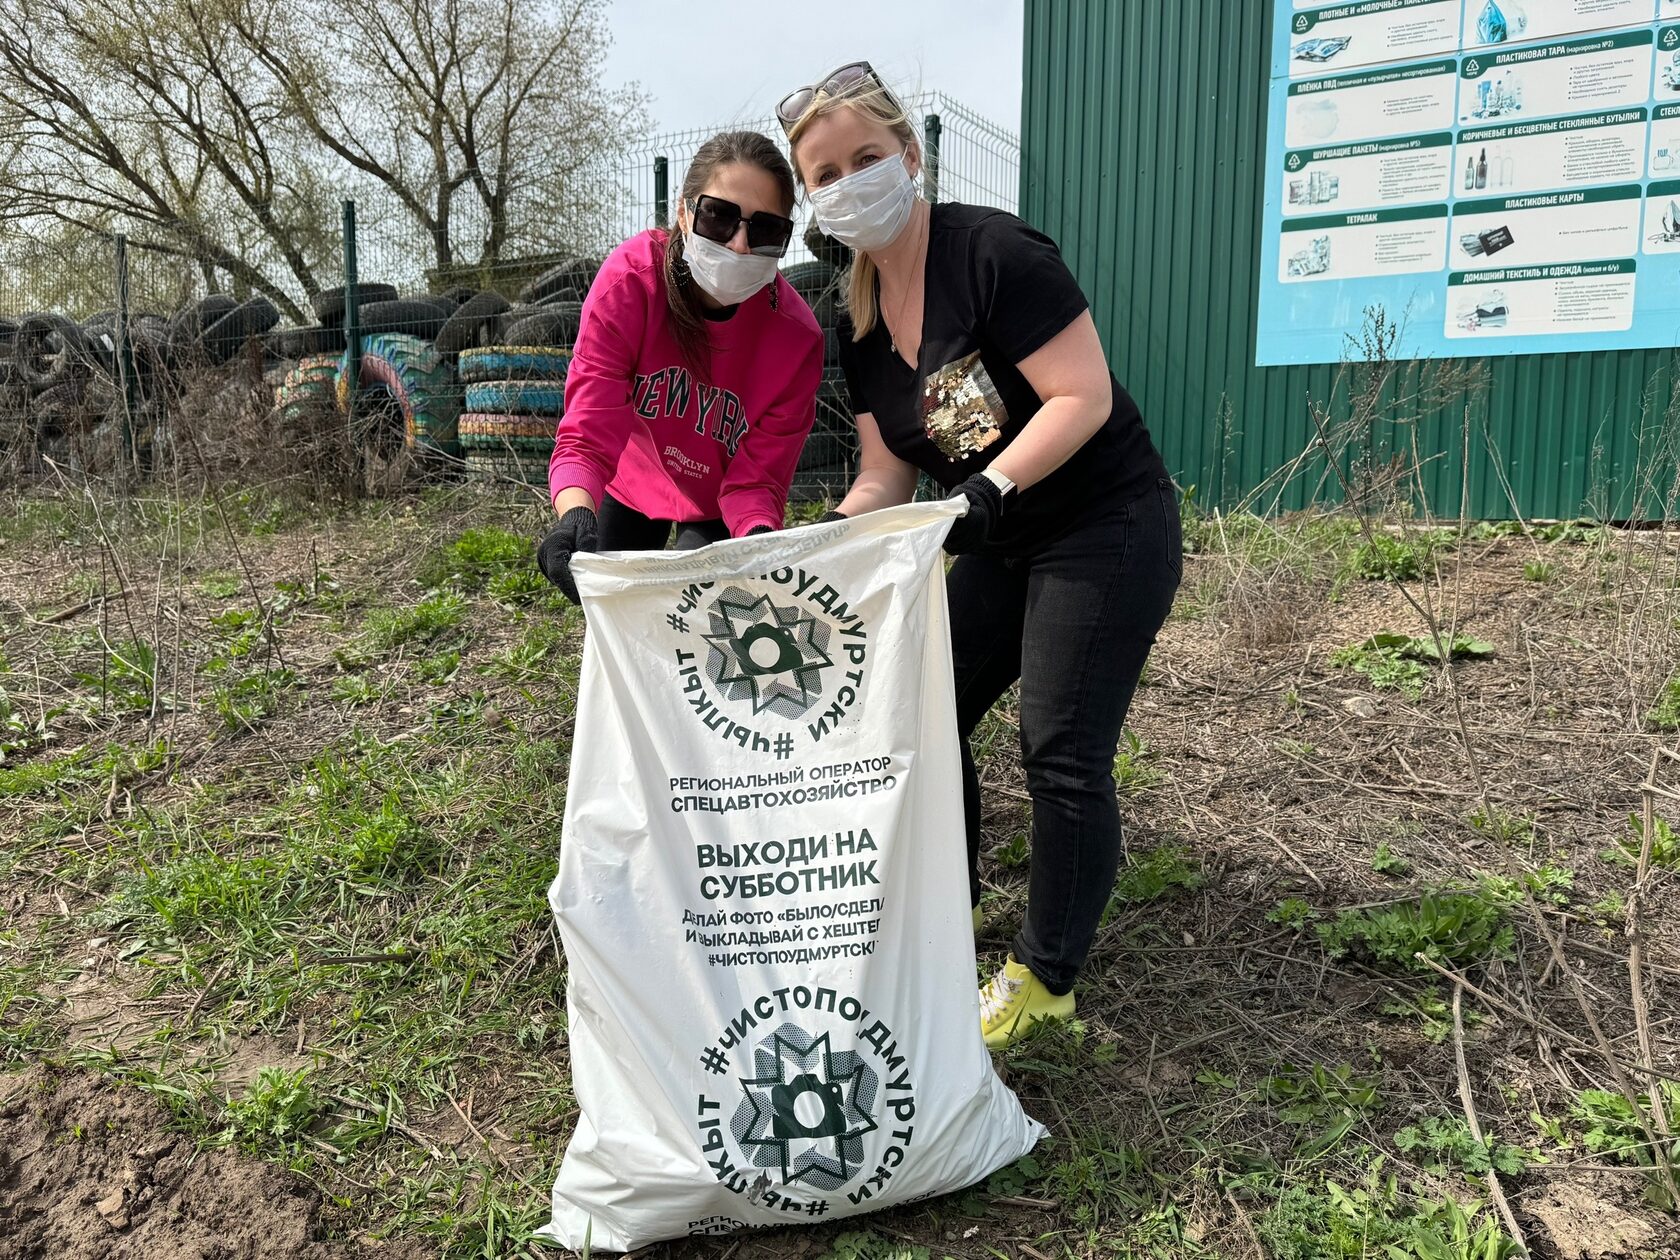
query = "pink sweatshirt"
x=679 y=443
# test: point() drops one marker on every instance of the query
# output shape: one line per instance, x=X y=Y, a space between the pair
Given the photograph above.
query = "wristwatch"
x=1005 y=486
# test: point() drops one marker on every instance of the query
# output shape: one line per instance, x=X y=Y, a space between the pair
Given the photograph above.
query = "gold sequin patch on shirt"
x=962 y=411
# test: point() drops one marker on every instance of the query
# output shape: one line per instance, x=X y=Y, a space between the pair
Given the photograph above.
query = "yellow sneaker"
x=979 y=920
x=1013 y=1001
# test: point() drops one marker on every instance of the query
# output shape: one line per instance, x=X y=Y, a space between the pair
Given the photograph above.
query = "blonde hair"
x=878 y=105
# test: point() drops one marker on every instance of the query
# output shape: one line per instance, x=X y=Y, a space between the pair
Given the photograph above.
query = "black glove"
x=759 y=529
x=985 y=506
x=574 y=533
x=828 y=518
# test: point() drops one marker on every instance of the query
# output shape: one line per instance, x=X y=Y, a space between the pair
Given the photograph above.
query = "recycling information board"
x=1498 y=176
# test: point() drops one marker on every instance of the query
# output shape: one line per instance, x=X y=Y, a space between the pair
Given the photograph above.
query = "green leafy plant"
x=242 y=704
x=219 y=586
x=1549 y=884
x=1015 y=854
x=355 y=689
x=1447 y=927
x=1376 y=1221
x=1329 y=1100
x=1432 y=1012
x=438 y=668
x=116 y=763
x=387 y=841
x=1400 y=662
x=1443 y=1143
x=424 y=622
x=1503 y=825
x=1539 y=571
x=528 y=656
x=1387 y=558
x=1153 y=873
x=1292 y=913
x=128 y=676
x=1664 y=715
x=1385 y=861
x=1665 y=846
x=523 y=587
x=1133 y=766
x=278 y=1107
x=476 y=558
x=866 y=1244
x=1611 y=1127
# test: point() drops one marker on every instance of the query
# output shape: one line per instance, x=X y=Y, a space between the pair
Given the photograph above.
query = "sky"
x=708 y=66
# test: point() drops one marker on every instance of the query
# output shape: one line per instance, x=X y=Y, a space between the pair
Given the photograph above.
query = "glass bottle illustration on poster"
x=1501 y=176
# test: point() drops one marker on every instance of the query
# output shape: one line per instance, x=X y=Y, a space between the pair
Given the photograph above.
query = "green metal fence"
x=1142 y=154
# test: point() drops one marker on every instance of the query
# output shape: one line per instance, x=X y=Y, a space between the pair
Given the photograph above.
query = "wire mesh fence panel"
x=463 y=320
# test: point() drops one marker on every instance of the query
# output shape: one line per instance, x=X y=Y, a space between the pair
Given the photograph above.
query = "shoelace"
x=996 y=997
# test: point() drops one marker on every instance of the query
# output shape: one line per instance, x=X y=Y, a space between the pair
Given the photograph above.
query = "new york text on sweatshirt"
x=682 y=441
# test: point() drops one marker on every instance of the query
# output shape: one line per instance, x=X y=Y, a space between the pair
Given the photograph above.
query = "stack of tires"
x=515 y=396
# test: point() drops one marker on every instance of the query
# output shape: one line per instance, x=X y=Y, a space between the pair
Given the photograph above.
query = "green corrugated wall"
x=1142 y=148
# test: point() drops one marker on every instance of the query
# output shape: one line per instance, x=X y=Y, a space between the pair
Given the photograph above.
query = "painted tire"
x=514 y=363
x=311 y=383
x=482 y=428
x=514 y=398
x=497 y=466
x=422 y=385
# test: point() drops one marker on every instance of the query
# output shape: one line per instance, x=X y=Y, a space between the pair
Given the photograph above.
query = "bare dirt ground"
x=274 y=956
x=93 y=1170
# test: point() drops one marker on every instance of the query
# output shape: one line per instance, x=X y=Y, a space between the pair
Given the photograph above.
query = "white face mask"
x=723 y=274
x=868 y=208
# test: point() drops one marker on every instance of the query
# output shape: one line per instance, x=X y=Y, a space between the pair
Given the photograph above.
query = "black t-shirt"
x=997 y=290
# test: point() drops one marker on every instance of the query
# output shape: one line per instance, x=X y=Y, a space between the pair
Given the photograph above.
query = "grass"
x=336 y=824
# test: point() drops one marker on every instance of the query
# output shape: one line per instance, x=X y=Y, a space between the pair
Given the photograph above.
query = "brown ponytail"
x=688 y=323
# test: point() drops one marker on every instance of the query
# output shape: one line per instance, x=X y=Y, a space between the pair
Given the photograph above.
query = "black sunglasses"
x=848 y=79
x=716 y=220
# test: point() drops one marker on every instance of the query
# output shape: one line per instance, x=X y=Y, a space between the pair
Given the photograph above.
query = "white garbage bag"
x=771 y=996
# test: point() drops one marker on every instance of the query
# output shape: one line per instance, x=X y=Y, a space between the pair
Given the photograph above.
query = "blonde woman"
x=970 y=355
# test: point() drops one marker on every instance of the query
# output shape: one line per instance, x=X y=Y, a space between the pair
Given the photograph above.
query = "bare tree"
x=223 y=132
x=91 y=149
x=495 y=100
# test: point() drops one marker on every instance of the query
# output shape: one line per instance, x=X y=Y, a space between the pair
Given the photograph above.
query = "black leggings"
x=1074 y=622
x=622 y=528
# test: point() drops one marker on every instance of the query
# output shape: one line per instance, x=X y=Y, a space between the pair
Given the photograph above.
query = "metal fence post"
x=661 y=191
x=352 y=365
x=125 y=352
x=931 y=128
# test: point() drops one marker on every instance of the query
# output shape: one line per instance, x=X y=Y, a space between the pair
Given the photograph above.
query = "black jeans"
x=622 y=528
x=1074 y=622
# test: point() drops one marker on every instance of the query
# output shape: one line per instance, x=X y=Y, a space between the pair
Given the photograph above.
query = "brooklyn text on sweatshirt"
x=679 y=440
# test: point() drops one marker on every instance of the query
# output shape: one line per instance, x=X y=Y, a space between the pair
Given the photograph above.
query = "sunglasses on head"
x=717 y=219
x=849 y=78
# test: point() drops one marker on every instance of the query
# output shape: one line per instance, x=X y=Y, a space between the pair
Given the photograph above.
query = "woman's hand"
x=973 y=529
x=575 y=532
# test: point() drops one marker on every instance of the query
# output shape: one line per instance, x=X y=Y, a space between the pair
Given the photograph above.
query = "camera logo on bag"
x=772 y=656
x=805 y=1113
x=786 y=645
x=826 y=1106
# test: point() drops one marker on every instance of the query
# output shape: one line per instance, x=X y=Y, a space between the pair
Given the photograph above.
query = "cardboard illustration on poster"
x=1499 y=176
